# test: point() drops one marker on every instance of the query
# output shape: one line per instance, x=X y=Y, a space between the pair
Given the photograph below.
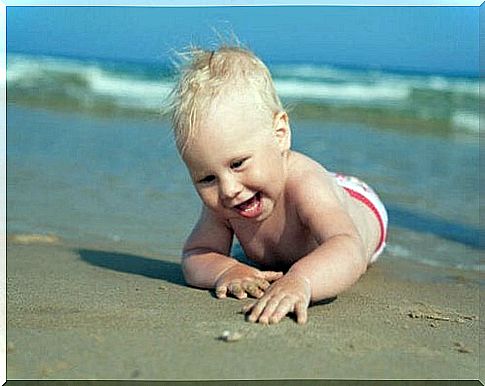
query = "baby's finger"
x=221 y=291
x=257 y=308
x=237 y=291
x=285 y=306
x=270 y=308
x=252 y=289
x=246 y=308
x=301 y=312
x=272 y=275
x=263 y=284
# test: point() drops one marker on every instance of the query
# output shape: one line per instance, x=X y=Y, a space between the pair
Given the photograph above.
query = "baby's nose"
x=229 y=188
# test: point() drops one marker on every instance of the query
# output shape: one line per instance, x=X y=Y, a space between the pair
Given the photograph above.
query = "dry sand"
x=89 y=312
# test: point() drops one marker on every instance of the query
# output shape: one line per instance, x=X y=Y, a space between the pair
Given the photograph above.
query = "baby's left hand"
x=291 y=293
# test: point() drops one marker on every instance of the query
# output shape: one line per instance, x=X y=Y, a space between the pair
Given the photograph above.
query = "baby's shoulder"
x=307 y=177
x=312 y=191
x=302 y=168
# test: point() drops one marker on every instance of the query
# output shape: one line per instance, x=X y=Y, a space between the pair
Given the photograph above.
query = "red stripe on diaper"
x=371 y=206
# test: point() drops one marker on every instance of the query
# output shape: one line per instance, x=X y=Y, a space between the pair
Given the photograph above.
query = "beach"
x=93 y=312
x=99 y=204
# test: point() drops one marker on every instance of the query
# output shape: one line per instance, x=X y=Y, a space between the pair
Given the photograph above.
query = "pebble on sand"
x=228 y=336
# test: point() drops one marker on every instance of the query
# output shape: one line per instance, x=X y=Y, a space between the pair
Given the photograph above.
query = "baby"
x=310 y=232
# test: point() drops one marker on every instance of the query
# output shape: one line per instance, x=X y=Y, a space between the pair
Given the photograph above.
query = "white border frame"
x=135 y=3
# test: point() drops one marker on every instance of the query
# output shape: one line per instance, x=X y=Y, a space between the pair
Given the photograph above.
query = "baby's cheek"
x=275 y=179
x=211 y=203
x=208 y=199
x=262 y=174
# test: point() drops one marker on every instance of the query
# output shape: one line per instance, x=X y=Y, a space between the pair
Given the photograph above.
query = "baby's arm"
x=206 y=263
x=337 y=263
x=341 y=257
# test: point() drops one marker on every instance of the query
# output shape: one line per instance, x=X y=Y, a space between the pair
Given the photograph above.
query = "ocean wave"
x=300 y=89
x=85 y=80
x=88 y=84
x=401 y=81
x=128 y=91
x=467 y=120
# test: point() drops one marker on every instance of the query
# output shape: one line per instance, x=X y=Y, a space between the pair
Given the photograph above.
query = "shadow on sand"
x=172 y=272
x=138 y=265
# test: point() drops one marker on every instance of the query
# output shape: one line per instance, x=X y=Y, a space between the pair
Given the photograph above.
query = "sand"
x=100 y=312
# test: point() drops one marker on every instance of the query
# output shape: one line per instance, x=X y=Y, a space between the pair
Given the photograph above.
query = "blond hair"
x=204 y=74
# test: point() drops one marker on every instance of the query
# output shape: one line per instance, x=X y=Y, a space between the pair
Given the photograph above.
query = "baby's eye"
x=207 y=179
x=238 y=163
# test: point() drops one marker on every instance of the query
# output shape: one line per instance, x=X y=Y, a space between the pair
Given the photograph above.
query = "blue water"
x=119 y=180
x=95 y=179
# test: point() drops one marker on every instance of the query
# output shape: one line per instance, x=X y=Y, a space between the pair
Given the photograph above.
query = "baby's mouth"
x=250 y=208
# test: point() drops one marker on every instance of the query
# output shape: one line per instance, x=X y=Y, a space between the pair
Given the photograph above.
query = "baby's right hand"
x=242 y=280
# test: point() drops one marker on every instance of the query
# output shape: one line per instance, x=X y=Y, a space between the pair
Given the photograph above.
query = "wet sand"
x=100 y=312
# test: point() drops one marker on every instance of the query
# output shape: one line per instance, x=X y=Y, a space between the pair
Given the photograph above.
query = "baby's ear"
x=282 y=130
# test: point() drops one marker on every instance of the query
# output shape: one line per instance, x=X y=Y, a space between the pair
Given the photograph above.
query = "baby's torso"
x=278 y=242
x=283 y=239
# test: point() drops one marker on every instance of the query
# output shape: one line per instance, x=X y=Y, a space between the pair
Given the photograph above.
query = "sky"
x=431 y=39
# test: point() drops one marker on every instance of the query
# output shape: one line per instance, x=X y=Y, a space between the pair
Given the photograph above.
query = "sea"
x=91 y=159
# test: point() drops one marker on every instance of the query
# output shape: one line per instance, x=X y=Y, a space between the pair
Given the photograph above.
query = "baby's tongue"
x=247 y=204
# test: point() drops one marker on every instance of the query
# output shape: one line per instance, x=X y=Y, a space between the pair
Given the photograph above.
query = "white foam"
x=333 y=74
x=341 y=92
x=21 y=67
x=125 y=89
x=466 y=120
x=397 y=250
x=306 y=71
x=128 y=91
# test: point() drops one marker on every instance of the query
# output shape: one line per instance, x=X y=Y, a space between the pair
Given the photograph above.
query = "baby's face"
x=237 y=162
